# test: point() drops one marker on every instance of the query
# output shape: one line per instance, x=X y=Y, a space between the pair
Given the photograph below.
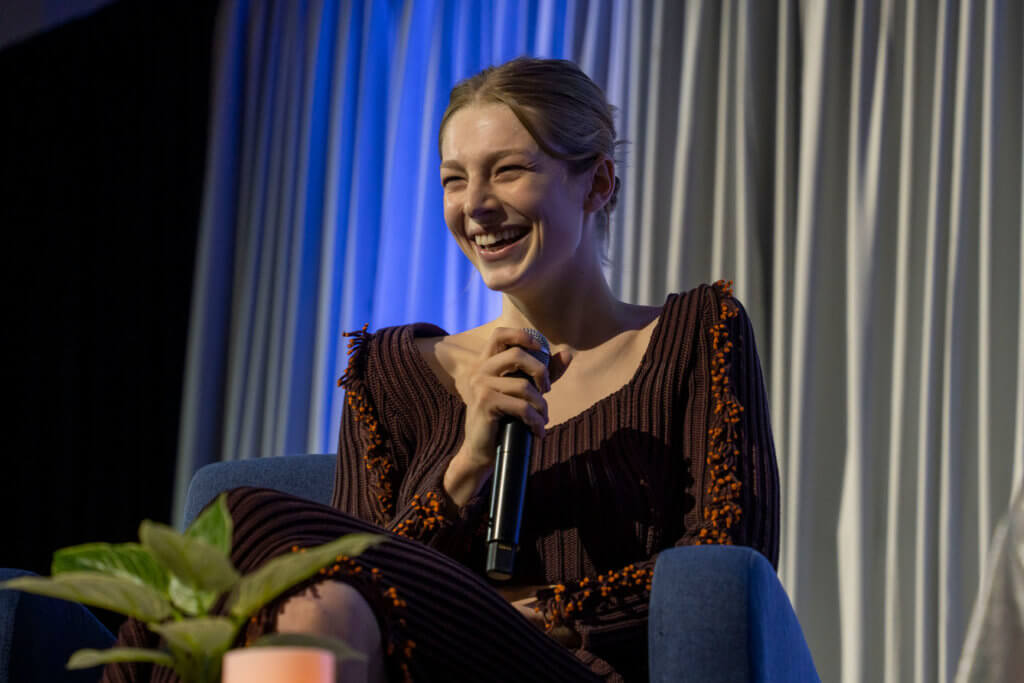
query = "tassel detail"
x=721 y=510
x=376 y=459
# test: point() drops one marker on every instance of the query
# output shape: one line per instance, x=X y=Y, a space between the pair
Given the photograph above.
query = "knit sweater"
x=682 y=454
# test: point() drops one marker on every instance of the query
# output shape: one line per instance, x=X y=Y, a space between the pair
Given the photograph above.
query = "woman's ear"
x=602 y=185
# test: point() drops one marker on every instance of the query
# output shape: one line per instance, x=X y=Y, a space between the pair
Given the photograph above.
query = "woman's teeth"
x=491 y=239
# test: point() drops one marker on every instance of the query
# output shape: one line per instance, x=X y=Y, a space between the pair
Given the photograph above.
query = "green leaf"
x=340 y=648
x=203 y=638
x=127 y=560
x=84 y=659
x=214 y=525
x=192 y=601
x=281 y=573
x=195 y=562
x=99 y=590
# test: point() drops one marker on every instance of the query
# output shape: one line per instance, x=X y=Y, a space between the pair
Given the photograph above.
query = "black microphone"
x=508 y=487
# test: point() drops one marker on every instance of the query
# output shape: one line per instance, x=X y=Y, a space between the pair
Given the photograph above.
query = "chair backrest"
x=38 y=635
x=309 y=476
x=719 y=612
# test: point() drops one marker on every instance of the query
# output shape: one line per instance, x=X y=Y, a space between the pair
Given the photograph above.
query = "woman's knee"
x=335 y=609
x=338 y=610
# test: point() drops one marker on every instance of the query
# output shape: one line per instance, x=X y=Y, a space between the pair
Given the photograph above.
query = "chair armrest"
x=719 y=613
x=38 y=635
x=307 y=476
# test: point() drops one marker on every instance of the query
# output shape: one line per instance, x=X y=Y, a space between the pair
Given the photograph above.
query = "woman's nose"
x=480 y=198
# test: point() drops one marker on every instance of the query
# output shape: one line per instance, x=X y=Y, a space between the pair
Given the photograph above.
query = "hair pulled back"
x=564 y=111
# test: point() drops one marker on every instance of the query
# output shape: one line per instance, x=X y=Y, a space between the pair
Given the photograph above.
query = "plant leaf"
x=192 y=601
x=99 y=590
x=203 y=638
x=214 y=525
x=85 y=659
x=194 y=561
x=281 y=573
x=340 y=648
x=185 y=665
x=127 y=560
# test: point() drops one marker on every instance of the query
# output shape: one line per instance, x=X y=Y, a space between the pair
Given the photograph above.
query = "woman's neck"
x=579 y=316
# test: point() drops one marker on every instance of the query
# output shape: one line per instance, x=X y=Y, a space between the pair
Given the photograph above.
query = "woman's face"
x=515 y=211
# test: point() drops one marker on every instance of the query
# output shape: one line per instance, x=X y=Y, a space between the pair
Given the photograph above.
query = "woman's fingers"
x=531 y=616
x=519 y=592
x=564 y=635
x=503 y=404
x=523 y=389
x=515 y=360
x=525 y=607
x=504 y=337
x=508 y=350
x=513 y=396
x=498 y=386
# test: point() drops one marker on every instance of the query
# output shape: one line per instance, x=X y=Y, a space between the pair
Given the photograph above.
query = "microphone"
x=508 y=487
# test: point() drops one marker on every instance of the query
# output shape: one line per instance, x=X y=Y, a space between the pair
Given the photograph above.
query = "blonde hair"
x=565 y=112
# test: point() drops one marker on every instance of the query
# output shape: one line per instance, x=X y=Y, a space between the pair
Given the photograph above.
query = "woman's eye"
x=507 y=169
x=449 y=179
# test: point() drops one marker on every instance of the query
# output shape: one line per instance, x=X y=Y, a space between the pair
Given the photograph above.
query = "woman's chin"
x=506 y=279
x=503 y=282
x=520 y=278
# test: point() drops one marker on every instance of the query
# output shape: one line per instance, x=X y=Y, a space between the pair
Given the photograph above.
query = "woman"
x=651 y=425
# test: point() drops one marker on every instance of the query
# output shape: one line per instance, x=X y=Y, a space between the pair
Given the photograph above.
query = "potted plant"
x=171 y=581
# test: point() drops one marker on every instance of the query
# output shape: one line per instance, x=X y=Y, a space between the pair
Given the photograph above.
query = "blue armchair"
x=717 y=613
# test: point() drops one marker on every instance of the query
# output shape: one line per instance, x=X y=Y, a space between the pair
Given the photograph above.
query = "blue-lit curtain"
x=323 y=206
x=855 y=166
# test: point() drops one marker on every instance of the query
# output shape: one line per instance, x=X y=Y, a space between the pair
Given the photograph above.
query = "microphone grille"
x=544 y=354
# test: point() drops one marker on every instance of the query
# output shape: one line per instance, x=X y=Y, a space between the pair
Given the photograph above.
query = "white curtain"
x=855 y=167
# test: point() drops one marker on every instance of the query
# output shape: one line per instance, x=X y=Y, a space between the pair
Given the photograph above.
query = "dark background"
x=103 y=126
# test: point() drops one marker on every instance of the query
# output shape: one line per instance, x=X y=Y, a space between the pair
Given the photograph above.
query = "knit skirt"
x=439 y=621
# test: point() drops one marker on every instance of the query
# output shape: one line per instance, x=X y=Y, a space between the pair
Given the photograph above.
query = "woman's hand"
x=490 y=393
x=523 y=598
x=564 y=635
x=526 y=608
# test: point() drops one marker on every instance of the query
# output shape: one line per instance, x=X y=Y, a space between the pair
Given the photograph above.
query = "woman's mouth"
x=499 y=244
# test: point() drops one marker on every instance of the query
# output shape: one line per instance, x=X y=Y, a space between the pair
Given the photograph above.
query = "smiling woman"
x=572 y=123
x=516 y=213
x=651 y=425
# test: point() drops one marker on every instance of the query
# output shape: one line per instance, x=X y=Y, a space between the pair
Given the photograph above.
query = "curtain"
x=855 y=167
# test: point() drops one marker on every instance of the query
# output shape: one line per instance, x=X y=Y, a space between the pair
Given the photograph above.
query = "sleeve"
x=374 y=457
x=736 y=483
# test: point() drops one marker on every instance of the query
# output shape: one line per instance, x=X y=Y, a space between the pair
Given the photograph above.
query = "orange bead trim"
x=376 y=460
x=426 y=516
x=588 y=594
x=721 y=510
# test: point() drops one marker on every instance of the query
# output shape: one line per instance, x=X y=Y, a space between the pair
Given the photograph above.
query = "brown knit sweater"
x=680 y=455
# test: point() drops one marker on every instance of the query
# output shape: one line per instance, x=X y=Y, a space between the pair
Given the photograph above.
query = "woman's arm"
x=374 y=455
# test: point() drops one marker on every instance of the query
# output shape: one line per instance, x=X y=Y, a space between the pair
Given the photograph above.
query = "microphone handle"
x=508 y=488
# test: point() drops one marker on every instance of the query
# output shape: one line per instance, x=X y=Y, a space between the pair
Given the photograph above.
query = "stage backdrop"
x=855 y=167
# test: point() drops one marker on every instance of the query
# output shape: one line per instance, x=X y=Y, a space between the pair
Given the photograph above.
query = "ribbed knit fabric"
x=680 y=455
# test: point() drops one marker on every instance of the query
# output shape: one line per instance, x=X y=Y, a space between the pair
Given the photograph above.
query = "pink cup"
x=278 y=665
